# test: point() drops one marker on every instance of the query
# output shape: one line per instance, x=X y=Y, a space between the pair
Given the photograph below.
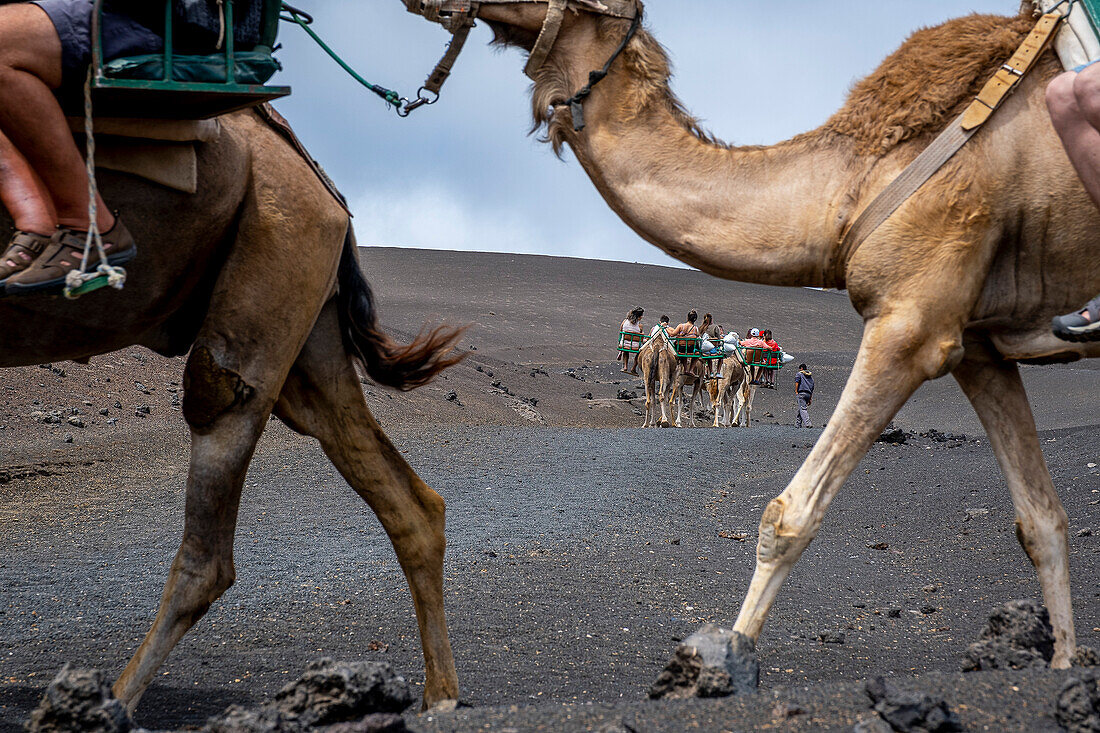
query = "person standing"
x=804 y=396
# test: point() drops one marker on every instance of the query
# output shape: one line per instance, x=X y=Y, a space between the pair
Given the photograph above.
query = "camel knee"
x=210 y=389
x=782 y=537
x=196 y=580
x=1044 y=538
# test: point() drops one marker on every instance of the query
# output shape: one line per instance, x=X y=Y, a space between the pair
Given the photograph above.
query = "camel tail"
x=401 y=366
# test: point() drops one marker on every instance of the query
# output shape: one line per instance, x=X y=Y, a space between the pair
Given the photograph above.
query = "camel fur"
x=257 y=276
x=963 y=279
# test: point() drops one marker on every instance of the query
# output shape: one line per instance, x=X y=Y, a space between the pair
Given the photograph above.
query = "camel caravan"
x=940 y=197
x=716 y=365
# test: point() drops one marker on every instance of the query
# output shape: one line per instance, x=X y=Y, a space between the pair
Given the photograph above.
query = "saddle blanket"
x=161 y=151
x=1078 y=43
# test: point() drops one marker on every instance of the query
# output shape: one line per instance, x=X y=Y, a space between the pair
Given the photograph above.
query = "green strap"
x=303 y=19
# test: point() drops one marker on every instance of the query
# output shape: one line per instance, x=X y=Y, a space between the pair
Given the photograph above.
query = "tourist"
x=631 y=324
x=804 y=396
x=662 y=324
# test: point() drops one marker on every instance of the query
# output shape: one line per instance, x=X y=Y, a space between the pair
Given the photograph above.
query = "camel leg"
x=996 y=391
x=203 y=568
x=322 y=398
x=895 y=357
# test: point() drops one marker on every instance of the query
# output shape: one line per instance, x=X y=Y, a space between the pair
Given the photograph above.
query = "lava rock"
x=1017 y=635
x=712 y=662
x=586 y=396
x=237 y=719
x=873 y=724
x=337 y=692
x=1078 y=705
x=910 y=712
x=627 y=395
x=377 y=723
x=79 y=700
x=892 y=435
x=831 y=637
x=76 y=422
x=1085 y=656
x=68 y=438
x=452 y=396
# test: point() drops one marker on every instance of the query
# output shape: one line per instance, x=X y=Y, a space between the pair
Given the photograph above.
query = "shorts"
x=122 y=36
x=1082 y=67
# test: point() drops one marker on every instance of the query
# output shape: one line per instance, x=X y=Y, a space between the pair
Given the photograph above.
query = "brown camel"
x=257 y=275
x=732 y=387
x=963 y=279
x=660 y=372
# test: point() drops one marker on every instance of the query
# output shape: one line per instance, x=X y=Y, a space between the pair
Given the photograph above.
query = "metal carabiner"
x=1069 y=11
x=421 y=100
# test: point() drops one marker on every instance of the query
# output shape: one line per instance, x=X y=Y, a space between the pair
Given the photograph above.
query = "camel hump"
x=923 y=85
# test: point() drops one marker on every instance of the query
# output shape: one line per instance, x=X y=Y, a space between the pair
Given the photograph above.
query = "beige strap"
x=555 y=14
x=1006 y=79
x=949 y=142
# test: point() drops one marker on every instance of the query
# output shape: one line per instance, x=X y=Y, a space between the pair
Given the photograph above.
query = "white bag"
x=706 y=346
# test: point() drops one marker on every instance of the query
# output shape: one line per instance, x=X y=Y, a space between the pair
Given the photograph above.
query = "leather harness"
x=458 y=17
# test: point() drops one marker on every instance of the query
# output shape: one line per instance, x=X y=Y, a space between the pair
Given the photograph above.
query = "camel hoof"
x=712 y=662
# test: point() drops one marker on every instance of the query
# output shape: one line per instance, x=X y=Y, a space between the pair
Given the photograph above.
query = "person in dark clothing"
x=804 y=396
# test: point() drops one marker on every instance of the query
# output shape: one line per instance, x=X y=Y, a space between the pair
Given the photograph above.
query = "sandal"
x=64 y=254
x=23 y=250
x=1081 y=325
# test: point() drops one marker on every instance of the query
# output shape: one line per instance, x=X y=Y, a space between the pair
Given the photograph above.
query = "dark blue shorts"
x=122 y=36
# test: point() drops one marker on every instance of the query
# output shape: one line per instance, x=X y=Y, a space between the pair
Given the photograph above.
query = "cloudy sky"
x=464 y=174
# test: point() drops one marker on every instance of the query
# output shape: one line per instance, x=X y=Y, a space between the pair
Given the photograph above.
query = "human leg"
x=1074 y=102
x=30 y=115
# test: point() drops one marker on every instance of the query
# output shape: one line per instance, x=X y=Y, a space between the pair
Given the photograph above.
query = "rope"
x=116 y=276
x=303 y=19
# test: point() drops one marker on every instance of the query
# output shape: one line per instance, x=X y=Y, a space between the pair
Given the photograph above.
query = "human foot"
x=65 y=253
x=22 y=251
x=1081 y=325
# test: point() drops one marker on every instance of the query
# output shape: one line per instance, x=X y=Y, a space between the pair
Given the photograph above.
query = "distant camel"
x=690 y=375
x=963 y=279
x=732 y=388
x=660 y=371
x=257 y=275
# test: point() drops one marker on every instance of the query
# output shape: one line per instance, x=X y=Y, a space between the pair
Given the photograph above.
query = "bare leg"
x=887 y=371
x=30 y=69
x=23 y=193
x=322 y=398
x=994 y=388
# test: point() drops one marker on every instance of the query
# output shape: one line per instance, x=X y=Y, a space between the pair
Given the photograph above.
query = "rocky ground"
x=581 y=549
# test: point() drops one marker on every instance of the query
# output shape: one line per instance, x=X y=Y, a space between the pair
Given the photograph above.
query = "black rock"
x=337 y=692
x=910 y=712
x=831 y=637
x=1017 y=635
x=627 y=395
x=452 y=396
x=586 y=396
x=118 y=405
x=873 y=724
x=79 y=700
x=1078 y=705
x=104 y=412
x=712 y=662
x=237 y=719
x=1085 y=656
x=893 y=435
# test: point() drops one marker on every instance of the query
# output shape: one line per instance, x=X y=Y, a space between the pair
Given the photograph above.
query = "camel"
x=963 y=279
x=660 y=370
x=257 y=275
x=732 y=386
x=689 y=376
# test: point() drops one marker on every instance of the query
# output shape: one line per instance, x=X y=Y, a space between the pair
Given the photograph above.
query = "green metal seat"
x=186 y=86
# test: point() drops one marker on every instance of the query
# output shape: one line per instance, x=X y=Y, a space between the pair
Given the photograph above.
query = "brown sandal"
x=65 y=253
x=23 y=250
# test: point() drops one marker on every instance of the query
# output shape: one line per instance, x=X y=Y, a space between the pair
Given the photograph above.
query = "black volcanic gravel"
x=577 y=559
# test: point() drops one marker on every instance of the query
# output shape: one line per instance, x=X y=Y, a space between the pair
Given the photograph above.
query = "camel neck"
x=769 y=215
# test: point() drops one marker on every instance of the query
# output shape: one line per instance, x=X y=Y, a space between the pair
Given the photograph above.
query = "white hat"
x=754 y=333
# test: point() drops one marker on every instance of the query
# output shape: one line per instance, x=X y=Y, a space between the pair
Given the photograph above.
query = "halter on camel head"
x=458 y=16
